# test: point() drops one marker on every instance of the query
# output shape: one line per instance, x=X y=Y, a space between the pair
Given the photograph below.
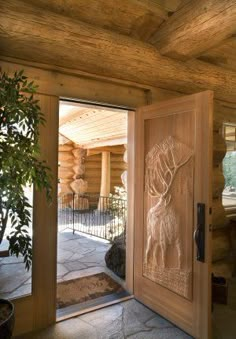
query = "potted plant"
x=20 y=165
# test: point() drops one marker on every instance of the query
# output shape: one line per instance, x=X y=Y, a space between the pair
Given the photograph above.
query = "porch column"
x=105 y=180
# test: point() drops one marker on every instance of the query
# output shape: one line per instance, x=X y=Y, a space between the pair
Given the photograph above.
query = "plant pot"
x=7 y=319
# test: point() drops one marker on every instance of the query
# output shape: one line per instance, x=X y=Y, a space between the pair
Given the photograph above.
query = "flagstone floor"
x=78 y=255
x=128 y=319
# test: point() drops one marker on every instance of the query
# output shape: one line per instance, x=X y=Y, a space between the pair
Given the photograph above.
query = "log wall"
x=224 y=234
x=92 y=175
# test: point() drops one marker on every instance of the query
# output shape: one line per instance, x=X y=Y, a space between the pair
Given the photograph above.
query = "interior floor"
x=224 y=316
x=128 y=319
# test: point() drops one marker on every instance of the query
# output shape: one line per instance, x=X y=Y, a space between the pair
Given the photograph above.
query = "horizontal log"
x=65 y=173
x=218 y=215
x=218 y=182
x=32 y=34
x=65 y=148
x=93 y=165
x=224 y=112
x=79 y=153
x=223 y=268
x=219 y=148
x=135 y=18
x=222 y=55
x=79 y=169
x=116 y=158
x=196 y=27
x=65 y=181
x=220 y=245
x=119 y=166
x=67 y=163
x=64 y=188
x=65 y=156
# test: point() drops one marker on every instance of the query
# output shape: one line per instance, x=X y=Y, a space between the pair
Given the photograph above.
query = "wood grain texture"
x=196 y=27
x=222 y=55
x=31 y=34
x=195 y=317
x=136 y=18
x=45 y=223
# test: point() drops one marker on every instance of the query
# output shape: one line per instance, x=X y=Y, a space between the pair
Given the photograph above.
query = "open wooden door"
x=173 y=164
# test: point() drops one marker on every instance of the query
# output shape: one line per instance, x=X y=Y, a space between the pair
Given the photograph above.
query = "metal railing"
x=103 y=217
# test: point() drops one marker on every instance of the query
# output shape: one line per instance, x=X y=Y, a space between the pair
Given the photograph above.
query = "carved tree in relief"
x=163 y=223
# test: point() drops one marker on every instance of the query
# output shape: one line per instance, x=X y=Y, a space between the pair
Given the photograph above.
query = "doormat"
x=79 y=290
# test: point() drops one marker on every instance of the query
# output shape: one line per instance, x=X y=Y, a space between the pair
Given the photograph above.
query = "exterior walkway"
x=129 y=319
x=78 y=255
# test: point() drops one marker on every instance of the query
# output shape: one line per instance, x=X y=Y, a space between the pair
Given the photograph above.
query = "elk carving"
x=163 y=224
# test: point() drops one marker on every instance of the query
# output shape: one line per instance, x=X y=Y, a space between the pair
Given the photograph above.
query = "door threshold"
x=91 y=305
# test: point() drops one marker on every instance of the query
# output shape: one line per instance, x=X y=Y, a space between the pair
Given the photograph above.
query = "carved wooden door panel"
x=173 y=150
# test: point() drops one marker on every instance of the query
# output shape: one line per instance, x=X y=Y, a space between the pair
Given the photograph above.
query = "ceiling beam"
x=34 y=35
x=106 y=142
x=118 y=149
x=195 y=28
x=137 y=18
x=223 y=55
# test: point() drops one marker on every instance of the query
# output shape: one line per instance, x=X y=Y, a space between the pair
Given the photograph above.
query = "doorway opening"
x=92 y=206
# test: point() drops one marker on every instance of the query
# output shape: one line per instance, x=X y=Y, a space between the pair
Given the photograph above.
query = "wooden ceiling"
x=91 y=126
x=183 y=45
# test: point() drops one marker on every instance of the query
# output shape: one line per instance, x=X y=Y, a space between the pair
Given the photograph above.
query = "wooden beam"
x=119 y=149
x=106 y=142
x=138 y=18
x=222 y=55
x=105 y=181
x=196 y=27
x=31 y=34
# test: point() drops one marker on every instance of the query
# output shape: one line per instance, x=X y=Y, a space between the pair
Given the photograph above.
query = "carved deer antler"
x=162 y=164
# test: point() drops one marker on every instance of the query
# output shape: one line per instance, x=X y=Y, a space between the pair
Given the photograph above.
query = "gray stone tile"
x=139 y=311
x=21 y=291
x=104 y=317
x=83 y=273
x=12 y=260
x=69 y=329
x=111 y=323
x=165 y=333
x=158 y=322
x=12 y=277
x=74 y=266
x=63 y=255
x=94 y=258
x=61 y=270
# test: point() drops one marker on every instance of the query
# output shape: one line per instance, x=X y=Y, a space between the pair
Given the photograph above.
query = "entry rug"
x=79 y=290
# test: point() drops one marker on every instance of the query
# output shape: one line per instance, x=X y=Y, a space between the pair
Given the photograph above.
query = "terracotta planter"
x=7 y=319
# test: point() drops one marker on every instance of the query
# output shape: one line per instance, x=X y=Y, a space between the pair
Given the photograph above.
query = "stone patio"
x=78 y=255
x=128 y=319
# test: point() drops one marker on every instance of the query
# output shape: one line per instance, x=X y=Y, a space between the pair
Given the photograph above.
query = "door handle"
x=199 y=233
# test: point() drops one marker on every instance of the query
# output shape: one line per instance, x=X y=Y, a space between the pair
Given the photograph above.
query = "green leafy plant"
x=20 y=166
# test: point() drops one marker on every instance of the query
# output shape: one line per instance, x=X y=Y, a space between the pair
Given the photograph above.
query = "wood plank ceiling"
x=91 y=127
x=183 y=45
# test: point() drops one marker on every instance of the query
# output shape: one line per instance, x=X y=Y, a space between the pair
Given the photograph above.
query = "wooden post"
x=105 y=181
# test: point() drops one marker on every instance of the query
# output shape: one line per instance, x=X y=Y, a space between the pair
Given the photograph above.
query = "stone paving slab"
x=114 y=322
x=78 y=255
